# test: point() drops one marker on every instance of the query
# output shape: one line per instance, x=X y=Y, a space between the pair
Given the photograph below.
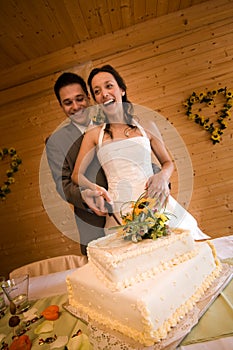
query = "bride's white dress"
x=127 y=166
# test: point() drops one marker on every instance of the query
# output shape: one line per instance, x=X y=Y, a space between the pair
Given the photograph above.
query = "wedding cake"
x=142 y=289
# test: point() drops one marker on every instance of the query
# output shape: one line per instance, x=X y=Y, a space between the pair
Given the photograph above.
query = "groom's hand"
x=96 y=200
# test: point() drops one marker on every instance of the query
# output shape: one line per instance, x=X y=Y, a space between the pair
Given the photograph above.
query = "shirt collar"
x=82 y=127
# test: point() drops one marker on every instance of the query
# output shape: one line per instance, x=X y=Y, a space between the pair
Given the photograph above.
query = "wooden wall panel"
x=180 y=23
x=27 y=31
x=161 y=68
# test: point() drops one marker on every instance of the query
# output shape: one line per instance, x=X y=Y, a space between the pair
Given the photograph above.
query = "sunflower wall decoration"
x=222 y=116
x=15 y=162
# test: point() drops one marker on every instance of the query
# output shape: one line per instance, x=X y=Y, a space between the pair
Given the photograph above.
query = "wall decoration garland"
x=15 y=161
x=223 y=115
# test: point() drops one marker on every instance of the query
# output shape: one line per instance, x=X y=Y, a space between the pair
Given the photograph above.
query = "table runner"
x=65 y=325
x=217 y=322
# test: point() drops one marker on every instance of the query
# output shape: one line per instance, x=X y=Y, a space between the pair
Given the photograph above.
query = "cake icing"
x=146 y=309
x=119 y=263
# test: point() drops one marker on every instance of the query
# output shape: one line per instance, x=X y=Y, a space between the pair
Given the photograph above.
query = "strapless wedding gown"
x=127 y=166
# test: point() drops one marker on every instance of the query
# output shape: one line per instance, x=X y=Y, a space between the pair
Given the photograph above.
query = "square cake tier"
x=120 y=263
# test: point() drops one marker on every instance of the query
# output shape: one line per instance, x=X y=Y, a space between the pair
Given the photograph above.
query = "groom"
x=62 y=148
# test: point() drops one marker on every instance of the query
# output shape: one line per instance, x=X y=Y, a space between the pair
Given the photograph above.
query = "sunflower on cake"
x=142 y=279
x=146 y=218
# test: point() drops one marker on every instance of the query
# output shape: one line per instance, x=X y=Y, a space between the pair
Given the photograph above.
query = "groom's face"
x=74 y=102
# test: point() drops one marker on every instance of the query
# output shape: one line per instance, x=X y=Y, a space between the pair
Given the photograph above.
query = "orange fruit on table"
x=51 y=313
x=21 y=343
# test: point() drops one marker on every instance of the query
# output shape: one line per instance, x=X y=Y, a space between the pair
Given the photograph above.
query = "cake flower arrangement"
x=15 y=161
x=223 y=116
x=146 y=220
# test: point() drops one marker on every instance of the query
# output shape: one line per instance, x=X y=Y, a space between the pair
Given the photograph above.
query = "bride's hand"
x=157 y=186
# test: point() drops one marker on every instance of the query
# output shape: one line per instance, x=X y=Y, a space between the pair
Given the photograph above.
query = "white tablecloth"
x=48 y=285
x=224 y=247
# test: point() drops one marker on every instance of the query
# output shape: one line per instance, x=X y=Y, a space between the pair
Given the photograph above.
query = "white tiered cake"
x=142 y=289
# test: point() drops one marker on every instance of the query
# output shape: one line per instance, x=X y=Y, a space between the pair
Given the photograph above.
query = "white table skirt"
x=48 y=285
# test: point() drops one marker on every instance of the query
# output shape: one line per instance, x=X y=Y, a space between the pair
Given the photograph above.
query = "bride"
x=124 y=149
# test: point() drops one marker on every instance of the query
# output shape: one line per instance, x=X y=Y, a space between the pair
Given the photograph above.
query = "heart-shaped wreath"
x=15 y=161
x=223 y=115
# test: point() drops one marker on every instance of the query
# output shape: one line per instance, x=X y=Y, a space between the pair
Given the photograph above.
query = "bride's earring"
x=123 y=93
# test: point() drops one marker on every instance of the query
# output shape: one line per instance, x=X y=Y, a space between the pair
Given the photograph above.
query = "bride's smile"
x=107 y=93
x=109 y=102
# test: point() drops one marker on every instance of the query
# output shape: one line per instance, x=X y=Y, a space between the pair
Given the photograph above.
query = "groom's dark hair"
x=68 y=78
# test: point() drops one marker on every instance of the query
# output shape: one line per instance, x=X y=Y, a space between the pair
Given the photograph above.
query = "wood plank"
x=114 y=14
x=75 y=13
x=185 y=3
x=92 y=19
x=139 y=10
x=162 y=7
x=126 y=13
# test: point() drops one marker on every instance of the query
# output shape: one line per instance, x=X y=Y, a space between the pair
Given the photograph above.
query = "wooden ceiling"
x=34 y=28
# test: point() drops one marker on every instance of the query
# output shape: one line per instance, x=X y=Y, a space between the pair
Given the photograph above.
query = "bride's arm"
x=92 y=194
x=84 y=158
x=158 y=184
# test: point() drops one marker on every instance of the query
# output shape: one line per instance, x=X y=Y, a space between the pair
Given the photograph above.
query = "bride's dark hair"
x=127 y=105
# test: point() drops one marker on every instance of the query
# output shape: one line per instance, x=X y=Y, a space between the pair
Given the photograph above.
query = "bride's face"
x=107 y=93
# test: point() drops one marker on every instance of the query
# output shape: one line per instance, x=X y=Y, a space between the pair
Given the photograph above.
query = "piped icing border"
x=139 y=277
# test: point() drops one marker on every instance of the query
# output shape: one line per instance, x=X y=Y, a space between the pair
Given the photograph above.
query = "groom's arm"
x=78 y=196
x=57 y=146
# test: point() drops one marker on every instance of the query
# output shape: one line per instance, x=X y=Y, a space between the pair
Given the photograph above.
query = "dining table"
x=214 y=329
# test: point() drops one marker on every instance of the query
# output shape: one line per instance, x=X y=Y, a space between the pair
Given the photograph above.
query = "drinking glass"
x=16 y=290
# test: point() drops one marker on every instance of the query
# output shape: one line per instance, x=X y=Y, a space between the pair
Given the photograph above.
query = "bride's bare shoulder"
x=93 y=131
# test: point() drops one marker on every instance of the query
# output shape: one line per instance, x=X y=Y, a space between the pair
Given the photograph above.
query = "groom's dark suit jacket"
x=62 y=148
